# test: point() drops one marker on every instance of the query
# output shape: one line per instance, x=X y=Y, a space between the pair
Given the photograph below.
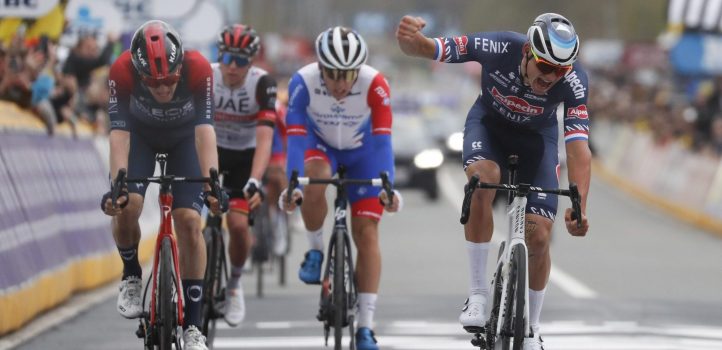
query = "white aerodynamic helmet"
x=553 y=38
x=341 y=48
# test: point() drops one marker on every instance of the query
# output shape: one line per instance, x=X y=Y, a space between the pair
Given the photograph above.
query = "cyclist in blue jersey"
x=161 y=102
x=339 y=112
x=524 y=79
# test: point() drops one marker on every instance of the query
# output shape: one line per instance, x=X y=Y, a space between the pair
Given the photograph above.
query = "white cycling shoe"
x=533 y=343
x=193 y=339
x=235 y=308
x=129 y=299
x=280 y=231
x=473 y=317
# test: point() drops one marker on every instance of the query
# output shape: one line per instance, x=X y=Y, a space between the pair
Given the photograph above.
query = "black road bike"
x=338 y=286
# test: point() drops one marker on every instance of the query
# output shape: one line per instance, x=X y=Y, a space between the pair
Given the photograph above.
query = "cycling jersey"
x=354 y=131
x=239 y=110
x=163 y=127
x=503 y=90
x=509 y=118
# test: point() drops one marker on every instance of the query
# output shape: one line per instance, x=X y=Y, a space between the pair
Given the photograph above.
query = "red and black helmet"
x=156 y=50
x=239 y=39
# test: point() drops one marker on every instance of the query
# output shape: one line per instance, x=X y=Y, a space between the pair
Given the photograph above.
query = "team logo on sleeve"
x=579 y=112
x=461 y=42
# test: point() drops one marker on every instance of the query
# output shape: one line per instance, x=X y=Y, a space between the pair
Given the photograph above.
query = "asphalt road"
x=639 y=280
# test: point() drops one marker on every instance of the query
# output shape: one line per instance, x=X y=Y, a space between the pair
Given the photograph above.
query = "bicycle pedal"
x=140 y=332
x=479 y=341
x=474 y=329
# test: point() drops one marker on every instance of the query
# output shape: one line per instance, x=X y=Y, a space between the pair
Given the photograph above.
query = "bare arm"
x=411 y=41
x=579 y=162
x=264 y=139
x=206 y=149
x=119 y=150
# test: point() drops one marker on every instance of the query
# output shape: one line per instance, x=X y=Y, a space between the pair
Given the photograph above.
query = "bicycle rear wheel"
x=166 y=298
x=514 y=319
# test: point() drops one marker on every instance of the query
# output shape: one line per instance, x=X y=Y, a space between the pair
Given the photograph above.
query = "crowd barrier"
x=685 y=184
x=54 y=240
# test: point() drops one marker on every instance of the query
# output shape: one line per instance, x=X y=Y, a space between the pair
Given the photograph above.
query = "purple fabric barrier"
x=49 y=194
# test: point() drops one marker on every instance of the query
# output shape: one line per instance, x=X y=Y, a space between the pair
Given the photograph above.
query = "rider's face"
x=234 y=69
x=163 y=93
x=539 y=81
x=339 y=83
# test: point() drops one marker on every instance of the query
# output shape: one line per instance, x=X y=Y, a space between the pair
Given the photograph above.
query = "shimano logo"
x=516 y=104
x=576 y=84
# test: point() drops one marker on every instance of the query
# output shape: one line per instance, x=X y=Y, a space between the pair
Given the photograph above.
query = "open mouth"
x=542 y=84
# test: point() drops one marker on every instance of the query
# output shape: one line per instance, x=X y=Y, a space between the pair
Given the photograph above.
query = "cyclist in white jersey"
x=245 y=115
x=339 y=112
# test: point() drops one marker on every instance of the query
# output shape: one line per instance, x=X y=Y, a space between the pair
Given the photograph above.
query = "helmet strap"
x=523 y=68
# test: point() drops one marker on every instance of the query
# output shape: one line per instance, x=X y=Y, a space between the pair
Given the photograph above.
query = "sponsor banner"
x=49 y=191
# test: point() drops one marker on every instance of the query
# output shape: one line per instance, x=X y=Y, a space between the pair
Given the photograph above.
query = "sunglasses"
x=348 y=75
x=547 y=67
x=157 y=82
x=227 y=57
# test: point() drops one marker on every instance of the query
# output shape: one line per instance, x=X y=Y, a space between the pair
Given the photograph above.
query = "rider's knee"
x=187 y=222
x=538 y=234
x=365 y=231
x=237 y=223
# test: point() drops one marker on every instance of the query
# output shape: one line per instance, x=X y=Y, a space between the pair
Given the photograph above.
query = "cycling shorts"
x=359 y=164
x=236 y=168
x=182 y=161
x=490 y=137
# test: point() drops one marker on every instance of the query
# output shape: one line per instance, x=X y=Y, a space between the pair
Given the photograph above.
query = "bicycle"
x=160 y=326
x=509 y=316
x=338 y=287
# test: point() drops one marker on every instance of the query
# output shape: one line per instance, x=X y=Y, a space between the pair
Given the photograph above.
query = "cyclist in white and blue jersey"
x=524 y=79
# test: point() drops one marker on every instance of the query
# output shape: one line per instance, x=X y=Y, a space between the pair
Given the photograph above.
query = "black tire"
x=167 y=308
x=491 y=325
x=282 y=270
x=350 y=293
x=339 y=288
x=519 y=255
x=213 y=282
x=259 y=279
x=513 y=327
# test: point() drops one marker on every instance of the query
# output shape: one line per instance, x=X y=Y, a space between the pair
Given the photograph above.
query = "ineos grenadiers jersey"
x=238 y=111
x=359 y=122
x=132 y=107
x=503 y=91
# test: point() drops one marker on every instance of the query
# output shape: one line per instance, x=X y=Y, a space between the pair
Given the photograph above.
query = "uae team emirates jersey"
x=132 y=107
x=239 y=110
x=503 y=91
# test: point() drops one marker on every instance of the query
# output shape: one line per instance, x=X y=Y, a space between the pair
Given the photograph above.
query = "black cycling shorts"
x=236 y=168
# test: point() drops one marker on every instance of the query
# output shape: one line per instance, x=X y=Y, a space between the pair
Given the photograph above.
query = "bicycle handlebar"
x=117 y=186
x=473 y=184
x=121 y=180
x=382 y=181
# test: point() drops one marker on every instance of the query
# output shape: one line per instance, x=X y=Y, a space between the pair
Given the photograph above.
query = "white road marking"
x=453 y=192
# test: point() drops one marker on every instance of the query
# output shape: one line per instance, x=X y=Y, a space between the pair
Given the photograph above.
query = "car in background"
x=417 y=156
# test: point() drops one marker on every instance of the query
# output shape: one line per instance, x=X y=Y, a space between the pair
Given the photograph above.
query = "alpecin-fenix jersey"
x=504 y=94
x=238 y=111
x=359 y=122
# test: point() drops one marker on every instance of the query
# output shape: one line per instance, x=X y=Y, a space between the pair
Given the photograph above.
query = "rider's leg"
x=126 y=232
x=368 y=266
x=538 y=236
x=239 y=244
x=192 y=261
x=314 y=207
x=480 y=227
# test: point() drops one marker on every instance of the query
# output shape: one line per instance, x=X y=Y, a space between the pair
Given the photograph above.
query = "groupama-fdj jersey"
x=354 y=131
x=509 y=118
x=163 y=127
x=238 y=111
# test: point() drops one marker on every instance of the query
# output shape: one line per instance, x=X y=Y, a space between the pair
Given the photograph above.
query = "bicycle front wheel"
x=514 y=315
x=339 y=288
x=213 y=283
x=166 y=298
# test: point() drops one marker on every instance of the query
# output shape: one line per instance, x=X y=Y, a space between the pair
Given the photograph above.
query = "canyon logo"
x=516 y=104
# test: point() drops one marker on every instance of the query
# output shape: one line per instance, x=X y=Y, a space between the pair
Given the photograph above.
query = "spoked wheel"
x=167 y=322
x=214 y=283
x=513 y=327
x=350 y=293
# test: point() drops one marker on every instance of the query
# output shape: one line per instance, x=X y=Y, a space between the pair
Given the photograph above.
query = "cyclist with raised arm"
x=339 y=113
x=161 y=102
x=524 y=79
x=245 y=114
